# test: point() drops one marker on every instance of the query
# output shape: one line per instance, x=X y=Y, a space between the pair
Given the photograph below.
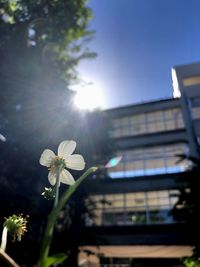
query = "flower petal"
x=46 y=157
x=75 y=162
x=52 y=178
x=66 y=177
x=66 y=148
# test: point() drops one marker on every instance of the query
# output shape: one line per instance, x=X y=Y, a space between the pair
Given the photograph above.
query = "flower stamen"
x=56 y=163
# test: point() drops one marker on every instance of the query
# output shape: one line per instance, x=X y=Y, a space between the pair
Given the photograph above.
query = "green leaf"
x=57 y=258
x=53 y=217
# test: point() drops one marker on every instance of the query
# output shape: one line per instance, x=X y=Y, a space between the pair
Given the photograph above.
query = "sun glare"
x=89 y=98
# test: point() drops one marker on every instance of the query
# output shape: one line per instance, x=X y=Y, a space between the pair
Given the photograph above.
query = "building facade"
x=133 y=225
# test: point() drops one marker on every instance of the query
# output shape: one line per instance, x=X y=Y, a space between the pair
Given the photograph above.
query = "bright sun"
x=89 y=98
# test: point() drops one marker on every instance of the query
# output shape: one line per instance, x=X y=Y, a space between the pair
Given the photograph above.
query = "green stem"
x=8 y=259
x=4 y=239
x=52 y=218
x=57 y=185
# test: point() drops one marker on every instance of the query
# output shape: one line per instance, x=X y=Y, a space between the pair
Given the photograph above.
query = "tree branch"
x=8 y=259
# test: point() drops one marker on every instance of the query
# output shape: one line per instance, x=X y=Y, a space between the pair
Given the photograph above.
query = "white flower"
x=64 y=159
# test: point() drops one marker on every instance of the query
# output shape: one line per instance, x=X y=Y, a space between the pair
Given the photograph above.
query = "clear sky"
x=138 y=42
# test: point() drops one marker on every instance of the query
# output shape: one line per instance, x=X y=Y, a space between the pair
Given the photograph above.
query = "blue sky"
x=138 y=42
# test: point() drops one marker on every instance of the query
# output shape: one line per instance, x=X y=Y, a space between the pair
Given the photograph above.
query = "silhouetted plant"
x=187 y=208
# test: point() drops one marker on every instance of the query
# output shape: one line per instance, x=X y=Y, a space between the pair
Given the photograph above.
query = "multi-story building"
x=133 y=223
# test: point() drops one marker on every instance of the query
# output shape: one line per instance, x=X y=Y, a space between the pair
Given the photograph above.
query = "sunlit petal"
x=52 y=178
x=66 y=148
x=75 y=162
x=66 y=177
x=46 y=157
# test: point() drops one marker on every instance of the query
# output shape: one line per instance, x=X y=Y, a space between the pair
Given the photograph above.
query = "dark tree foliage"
x=42 y=33
x=187 y=208
x=41 y=43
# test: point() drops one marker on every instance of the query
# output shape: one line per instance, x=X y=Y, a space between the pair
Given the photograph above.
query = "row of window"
x=151 y=122
x=150 y=161
x=196 y=113
x=157 y=121
x=133 y=208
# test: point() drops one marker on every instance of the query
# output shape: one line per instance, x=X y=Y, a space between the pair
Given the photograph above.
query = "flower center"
x=57 y=163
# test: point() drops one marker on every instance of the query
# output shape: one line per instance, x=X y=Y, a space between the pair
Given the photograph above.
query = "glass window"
x=119 y=167
x=129 y=166
x=129 y=154
x=152 y=194
x=196 y=112
x=158 y=115
x=136 y=208
x=124 y=121
x=116 y=123
x=152 y=202
x=171 y=161
x=139 y=202
x=133 y=119
x=138 y=165
x=125 y=131
x=194 y=80
x=118 y=203
x=149 y=122
x=164 y=202
x=139 y=195
x=168 y=114
x=141 y=118
x=170 y=125
x=160 y=126
x=150 y=161
x=151 y=164
x=151 y=127
x=179 y=121
x=162 y=194
x=142 y=129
